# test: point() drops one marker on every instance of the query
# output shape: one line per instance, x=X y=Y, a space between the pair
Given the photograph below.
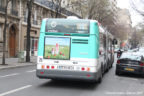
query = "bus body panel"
x=72 y=75
x=41 y=38
x=80 y=47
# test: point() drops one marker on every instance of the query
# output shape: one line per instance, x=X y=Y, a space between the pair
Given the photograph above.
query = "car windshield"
x=131 y=56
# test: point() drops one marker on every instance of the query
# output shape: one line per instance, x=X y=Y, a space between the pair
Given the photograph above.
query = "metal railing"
x=14 y=12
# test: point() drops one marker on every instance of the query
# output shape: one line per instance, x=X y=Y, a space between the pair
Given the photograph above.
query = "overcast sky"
x=136 y=18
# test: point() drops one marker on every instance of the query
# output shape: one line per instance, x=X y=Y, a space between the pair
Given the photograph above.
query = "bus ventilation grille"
x=80 y=41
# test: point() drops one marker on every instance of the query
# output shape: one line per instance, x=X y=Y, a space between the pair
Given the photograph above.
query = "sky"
x=60 y=41
x=136 y=18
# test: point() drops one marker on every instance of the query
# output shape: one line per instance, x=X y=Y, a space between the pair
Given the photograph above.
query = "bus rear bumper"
x=56 y=74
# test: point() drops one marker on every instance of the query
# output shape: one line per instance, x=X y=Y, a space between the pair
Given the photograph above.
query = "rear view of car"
x=130 y=63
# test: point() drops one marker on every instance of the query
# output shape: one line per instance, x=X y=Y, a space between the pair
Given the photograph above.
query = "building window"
x=25 y=15
x=14 y=8
x=2 y=5
x=33 y=46
x=0 y=32
x=35 y=18
x=13 y=4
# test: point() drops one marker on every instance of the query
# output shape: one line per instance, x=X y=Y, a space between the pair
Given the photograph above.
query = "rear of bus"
x=68 y=49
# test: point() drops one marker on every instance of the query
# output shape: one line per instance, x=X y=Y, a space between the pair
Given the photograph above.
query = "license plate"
x=65 y=67
x=129 y=69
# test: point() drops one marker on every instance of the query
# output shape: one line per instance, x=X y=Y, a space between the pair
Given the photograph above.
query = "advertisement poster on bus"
x=57 y=48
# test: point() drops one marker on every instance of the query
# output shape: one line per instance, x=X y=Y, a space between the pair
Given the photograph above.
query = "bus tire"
x=108 y=67
x=112 y=64
x=102 y=69
x=100 y=77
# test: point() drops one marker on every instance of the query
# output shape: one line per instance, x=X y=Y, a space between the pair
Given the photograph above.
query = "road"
x=23 y=82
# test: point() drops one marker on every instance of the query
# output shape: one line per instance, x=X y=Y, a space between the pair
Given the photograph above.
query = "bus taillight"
x=82 y=68
x=48 y=67
x=52 y=67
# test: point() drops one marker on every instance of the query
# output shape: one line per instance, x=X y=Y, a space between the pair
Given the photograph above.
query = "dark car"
x=131 y=63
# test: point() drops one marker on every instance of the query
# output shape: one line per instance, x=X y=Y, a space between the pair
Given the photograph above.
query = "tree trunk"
x=4 y=34
x=52 y=13
x=29 y=5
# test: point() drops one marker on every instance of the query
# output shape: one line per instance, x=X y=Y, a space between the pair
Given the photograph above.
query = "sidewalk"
x=14 y=62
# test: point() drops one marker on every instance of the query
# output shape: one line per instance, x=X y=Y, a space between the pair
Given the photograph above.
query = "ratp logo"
x=53 y=24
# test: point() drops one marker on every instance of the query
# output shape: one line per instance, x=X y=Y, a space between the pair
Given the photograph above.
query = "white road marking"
x=9 y=75
x=135 y=79
x=31 y=71
x=15 y=90
x=125 y=93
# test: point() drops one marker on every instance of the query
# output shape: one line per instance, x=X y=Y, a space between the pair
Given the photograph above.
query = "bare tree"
x=52 y=5
x=91 y=9
x=56 y=5
x=4 y=31
x=29 y=6
x=136 y=37
x=136 y=7
x=58 y=8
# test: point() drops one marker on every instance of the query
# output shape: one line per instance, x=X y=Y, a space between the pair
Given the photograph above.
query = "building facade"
x=17 y=25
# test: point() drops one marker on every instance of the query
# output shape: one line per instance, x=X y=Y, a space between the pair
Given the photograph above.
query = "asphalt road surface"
x=23 y=82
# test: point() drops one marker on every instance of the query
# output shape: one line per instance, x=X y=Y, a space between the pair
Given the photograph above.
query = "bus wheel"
x=100 y=77
x=111 y=64
x=107 y=69
x=102 y=70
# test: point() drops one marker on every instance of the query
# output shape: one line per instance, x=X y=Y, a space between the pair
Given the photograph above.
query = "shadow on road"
x=132 y=76
x=70 y=85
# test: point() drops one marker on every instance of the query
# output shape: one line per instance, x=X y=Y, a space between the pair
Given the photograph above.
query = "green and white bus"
x=75 y=49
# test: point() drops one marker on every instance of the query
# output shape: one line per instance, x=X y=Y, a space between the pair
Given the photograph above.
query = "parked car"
x=135 y=50
x=141 y=51
x=130 y=62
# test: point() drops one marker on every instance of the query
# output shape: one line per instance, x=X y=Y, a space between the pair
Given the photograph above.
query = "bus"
x=75 y=49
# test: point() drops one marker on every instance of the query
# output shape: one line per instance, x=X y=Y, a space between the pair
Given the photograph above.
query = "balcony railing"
x=2 y=9
x=14 y=12
x=35 y=22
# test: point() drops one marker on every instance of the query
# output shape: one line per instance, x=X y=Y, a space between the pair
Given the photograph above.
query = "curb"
x=17 y=66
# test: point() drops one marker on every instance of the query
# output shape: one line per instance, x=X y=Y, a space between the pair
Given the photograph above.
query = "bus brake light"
x=52 y=67
x=67 y=34
x=82 y=68
x=47 y=67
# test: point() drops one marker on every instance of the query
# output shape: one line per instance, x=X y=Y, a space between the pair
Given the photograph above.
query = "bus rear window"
x=67 y=26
